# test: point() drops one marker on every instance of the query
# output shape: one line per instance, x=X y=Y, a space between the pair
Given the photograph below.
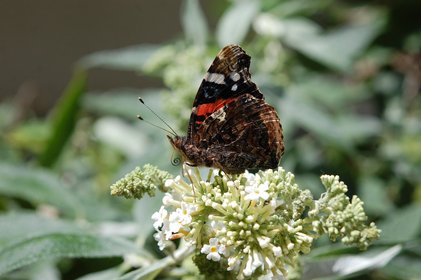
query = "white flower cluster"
x=252 y=224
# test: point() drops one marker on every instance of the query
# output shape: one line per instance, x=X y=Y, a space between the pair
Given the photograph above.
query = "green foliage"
x=39 y=187
x=27 y=238
x=64 y=119
x=345 y=79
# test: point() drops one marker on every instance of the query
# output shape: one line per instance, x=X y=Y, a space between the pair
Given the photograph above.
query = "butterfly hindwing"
x=248 y=132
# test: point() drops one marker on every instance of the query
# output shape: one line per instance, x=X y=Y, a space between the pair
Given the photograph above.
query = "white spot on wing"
x=215 y=78
x=234 y=87
x=235 y=76
x=219 y=115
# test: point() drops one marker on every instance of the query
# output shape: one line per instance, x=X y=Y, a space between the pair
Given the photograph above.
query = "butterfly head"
x=178 y=143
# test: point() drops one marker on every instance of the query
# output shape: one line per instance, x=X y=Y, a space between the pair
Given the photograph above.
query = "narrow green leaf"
x=38 y=186
x=339 y=265
x=349 y=127
x=57 y=245
x=109 y=274
x=43 y=270
x=29 y=136
x=369 y=260
x=336 y=49
x=148 y=272
x=403 y=267
x=285 y=29
x=401 y=225
x=21 y=226
x=64 y=119
x=341 y=130
x=130 y=58
x=372 y=190
x=330 y=92
x=311 y=117
x=194 y=22
x=235 y=23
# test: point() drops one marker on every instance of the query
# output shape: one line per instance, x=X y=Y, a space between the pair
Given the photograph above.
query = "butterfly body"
x=231 y=126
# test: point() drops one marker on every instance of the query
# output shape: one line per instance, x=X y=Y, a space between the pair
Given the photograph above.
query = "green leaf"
x=351 y=129
x=334 y=94
x=38 y=186
x=56 y=245
x=235 y=23
x=285 y=29
x=21 y=226
x=109 y=274
x=194 y=22
x=403 y=267
x=148 y=272
x=341 y=263
x=64 y=119
x=341 y=130
x=369 y=260
x=401 y=225
x=30 y=136
x=372 y=190
x=311 y=117
x=130 y=58
x=44 y=270
x=336 y=49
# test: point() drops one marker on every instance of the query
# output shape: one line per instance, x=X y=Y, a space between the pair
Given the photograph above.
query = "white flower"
x=159 y=217
x=213 y=250
x=257 y=191
x=264 y=241
x=161 y=238
x=277 y=251
x=248 y=270
x=186 y=210
x=218 y=226
x=175 y=220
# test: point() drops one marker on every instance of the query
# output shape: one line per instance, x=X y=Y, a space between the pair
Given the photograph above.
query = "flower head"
x=140 y=181
x=253 y=225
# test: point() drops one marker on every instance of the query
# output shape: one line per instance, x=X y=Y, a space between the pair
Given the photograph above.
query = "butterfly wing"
x=227 y=78
x=231 y=126
x=244 y=134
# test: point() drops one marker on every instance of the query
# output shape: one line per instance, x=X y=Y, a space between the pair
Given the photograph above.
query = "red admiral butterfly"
x=231 y=126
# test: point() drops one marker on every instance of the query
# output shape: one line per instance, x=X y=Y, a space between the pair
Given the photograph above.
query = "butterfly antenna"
x=157 y=126
x=161 y=119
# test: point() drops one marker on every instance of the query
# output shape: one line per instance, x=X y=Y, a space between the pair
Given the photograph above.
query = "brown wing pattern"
x=231 y=126
x=227 y=78
x=246 y=134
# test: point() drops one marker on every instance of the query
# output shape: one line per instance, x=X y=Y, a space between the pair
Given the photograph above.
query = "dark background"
x=41 y=40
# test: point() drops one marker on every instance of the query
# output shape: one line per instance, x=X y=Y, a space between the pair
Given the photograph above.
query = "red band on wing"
x=209 y=108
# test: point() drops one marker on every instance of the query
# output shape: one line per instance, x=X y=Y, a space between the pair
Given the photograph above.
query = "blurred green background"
x=344 y=76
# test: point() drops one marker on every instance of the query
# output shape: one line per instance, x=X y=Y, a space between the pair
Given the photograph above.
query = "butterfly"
x=231 y=126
